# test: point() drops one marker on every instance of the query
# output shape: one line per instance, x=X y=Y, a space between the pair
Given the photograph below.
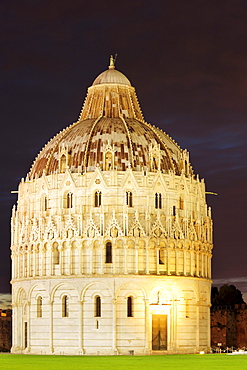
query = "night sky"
x=188 y=63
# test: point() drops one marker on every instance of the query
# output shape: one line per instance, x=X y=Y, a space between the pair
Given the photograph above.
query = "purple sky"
x=188 y=62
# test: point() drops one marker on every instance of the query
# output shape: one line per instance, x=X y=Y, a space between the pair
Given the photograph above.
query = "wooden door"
x=159 y=332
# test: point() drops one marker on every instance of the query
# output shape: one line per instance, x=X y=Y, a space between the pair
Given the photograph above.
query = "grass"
x=173 y=362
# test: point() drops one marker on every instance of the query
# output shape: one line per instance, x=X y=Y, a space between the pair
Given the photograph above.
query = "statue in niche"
x=70 y=233
x=50 y=234
x=91 y=232
x=154 y=163
x=108 y=161
x=114 y=232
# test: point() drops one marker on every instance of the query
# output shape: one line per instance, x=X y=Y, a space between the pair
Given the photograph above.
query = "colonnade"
x=81 y=257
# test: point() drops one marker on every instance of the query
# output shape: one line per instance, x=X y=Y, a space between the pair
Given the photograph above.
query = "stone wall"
x=5 y=330
x=229 y=326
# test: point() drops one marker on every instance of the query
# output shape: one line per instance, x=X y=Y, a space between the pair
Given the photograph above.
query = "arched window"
x=97 y=199
x=69 y=200
x=108 y=253
x=158 y=200
x=65 y=306
x=56 y=255
x=39 y=306
x=129 y=199
x=97 y=306
x=130 y=306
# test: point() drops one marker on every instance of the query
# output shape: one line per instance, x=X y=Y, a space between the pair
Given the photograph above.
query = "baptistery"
x=111 y=237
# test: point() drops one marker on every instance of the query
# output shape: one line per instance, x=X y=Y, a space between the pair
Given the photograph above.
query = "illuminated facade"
x=111 y=237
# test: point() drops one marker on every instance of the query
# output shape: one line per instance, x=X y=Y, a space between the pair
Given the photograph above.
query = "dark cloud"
x=188 y=62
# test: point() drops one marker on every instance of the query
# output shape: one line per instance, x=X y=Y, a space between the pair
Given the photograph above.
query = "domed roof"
x=111 y=134
x=111 y=76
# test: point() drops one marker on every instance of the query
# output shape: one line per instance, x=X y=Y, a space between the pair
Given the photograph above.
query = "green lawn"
x=183 y=362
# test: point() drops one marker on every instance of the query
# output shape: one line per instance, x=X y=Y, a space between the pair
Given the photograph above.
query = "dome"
x=111 y=125
x=111 y=76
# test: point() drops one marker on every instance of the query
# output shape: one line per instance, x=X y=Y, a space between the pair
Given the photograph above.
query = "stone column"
x=136 y=260
x=113 y=258
x=28 y=325
x=40 y=259
x=209 y=265
x=51 y=327
x=197 y=325
x=60 y=250
x=80 y=326
x=185 y=260
x=40 y=264
x=147 y=327
x=90 y=259
x=174 y=328
x=80 y=259
x=176 y=260
x=69 y=260
x=18 y=265
x=157 y=261
x=168 y=262
x=197 y=263
x=147 y=260
x=23 y=264
x=207 y=262
x=13 y=265
x=101 y=260
x=114 y=326
x=208 y=318
x=50 y=272
x=203 y=265
x=191 y=263
x=125 y=259
x=28 y=263
x=32 y=263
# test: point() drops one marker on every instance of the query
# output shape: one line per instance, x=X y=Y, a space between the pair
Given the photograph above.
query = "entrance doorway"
x=159 y=332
